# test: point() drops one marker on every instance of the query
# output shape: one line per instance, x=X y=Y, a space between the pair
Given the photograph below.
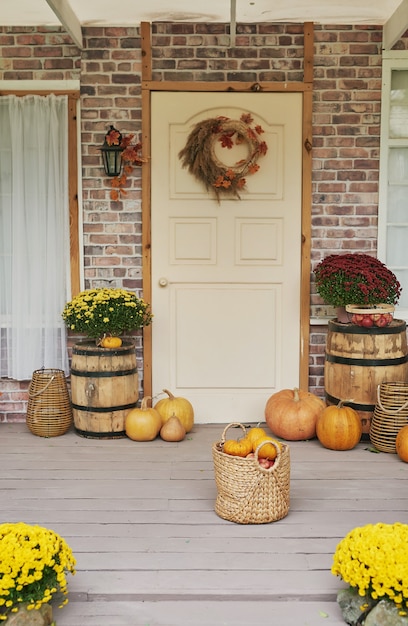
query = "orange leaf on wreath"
x=226 y=140
x=259 y=129
x=218 y=181
x=254 y=167
x=263 y=148
x=247 y=118
x=241 y=182
x=114 y=194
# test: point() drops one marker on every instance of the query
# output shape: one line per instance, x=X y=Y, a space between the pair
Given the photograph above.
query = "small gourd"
x=242 y=447
x=401 y=444
x=143 y=424
x=108 y=341
x=339 y=427
x=292 y=414
x=173 y=430
x=256 y=432
x=269 y=450
x=181 y=407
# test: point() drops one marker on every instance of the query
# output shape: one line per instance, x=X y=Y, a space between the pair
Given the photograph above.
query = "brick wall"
x=346 y=128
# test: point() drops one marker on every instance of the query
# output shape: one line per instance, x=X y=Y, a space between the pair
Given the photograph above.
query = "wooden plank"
x=73 y=195
x=200 y=613
x=151 y=550
x=146 y=203
x=169 y=85
x=68 y=19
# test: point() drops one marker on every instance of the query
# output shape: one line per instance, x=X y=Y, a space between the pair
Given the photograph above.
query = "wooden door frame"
x=306 y=88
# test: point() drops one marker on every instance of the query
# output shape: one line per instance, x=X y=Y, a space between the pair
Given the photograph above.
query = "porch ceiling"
x=131 y=12
x=74 y=14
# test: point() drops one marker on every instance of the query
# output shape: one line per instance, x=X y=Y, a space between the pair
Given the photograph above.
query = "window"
x=35 y=232
x=393 y=199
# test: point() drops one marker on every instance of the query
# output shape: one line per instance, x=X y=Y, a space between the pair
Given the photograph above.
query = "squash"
x=269 y=450
x=401 y=444
x=242 y=447
x=339 y=427
x=256 y=432
x=173 y=430
x=143 y=424
x=180 y=407
x=292 y=414
x=108 y=341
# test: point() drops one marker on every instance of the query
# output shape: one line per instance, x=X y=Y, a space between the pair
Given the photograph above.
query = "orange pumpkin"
x=339 y=427
x=242 y=447
x=143 y=424
x=269 y=450
x=401 y=444
x=108 y=341
x=255 y=433
x=292 y=414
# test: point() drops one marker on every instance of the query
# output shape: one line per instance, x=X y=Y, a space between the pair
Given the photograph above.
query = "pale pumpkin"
x=292 y=414
x=143 y=424
x=180 y=407
x=401 y=444
x=173 y=430
x=339 y=427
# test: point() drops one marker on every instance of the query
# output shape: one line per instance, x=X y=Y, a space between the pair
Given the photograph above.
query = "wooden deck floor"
x=152 y=552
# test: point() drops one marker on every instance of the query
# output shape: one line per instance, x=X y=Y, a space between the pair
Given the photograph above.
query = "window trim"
x=392 y=60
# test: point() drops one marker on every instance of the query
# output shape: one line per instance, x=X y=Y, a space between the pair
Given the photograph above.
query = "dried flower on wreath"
x=131 y=156
x=199 y=157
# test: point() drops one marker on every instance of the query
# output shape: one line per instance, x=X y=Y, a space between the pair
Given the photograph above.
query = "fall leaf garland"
x=199 y=157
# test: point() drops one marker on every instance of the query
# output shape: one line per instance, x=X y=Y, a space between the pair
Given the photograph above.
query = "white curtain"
x=34 y=234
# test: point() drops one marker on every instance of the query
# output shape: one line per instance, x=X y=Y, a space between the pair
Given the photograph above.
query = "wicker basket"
x=49 y=411
x=246 y=492
x=390 y=415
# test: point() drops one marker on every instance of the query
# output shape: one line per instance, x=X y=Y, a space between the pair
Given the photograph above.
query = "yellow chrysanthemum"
x=374 y=560
x=28 y=556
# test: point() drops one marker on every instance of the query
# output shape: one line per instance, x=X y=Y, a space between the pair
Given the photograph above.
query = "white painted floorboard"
x=152 y=552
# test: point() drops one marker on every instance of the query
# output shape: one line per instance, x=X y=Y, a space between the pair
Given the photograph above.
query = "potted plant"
x=371 y=560
x=360 y=283
x=34 y=562
x=102 y=314
x=104 y=377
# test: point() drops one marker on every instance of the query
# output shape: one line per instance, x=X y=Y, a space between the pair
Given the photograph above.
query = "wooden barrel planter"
x=358 y=359
x=104 y=387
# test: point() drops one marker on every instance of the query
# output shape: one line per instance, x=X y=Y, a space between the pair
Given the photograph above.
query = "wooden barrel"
x=104 y=387
x=358 y=359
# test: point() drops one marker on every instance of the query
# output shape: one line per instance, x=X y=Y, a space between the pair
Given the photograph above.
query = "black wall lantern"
x=112 y=152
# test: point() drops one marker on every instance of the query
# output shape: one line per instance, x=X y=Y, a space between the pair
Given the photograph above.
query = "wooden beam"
x=307 y=138
x=395 y=26
x=68 y=20
x=233 y=23
x=145 y=31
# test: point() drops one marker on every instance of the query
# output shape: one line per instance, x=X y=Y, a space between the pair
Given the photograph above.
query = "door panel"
x=226 y=276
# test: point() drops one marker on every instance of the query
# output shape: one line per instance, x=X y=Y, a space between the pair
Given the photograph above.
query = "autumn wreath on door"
x=199 y=155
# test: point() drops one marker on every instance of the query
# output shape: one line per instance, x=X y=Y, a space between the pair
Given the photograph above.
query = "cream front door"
x=226 y=276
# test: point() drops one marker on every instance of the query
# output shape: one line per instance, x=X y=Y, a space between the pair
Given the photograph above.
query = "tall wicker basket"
x=49 y=411
x=246 y=492
x=390 y=415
